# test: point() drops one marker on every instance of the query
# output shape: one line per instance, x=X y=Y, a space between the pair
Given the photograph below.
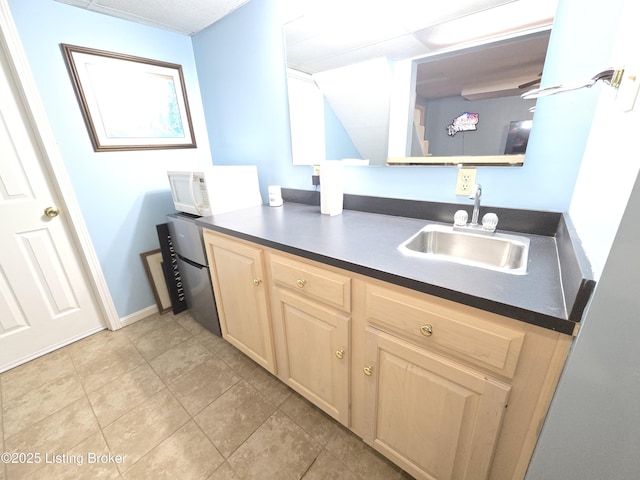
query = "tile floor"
x=164 y=398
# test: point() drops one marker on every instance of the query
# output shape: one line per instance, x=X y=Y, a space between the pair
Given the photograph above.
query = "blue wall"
x=122 y=195
x=580 y=45
x=241 y=74
x=338 y=144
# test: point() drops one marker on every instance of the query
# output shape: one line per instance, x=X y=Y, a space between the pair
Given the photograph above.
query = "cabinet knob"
x=340 y=354
x=426 y=330
x=368 y=370
x=301 y=283
x=257 y=282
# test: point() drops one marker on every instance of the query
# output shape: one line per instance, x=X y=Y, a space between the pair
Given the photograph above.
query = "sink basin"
x=498 y=251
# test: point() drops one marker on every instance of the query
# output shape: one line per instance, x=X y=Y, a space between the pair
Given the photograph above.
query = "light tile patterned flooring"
x=172 y=401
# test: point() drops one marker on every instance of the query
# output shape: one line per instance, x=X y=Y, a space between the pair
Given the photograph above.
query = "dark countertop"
x=367 y=243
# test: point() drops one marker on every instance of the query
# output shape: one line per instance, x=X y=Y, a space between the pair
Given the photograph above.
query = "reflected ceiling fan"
x=532 y=83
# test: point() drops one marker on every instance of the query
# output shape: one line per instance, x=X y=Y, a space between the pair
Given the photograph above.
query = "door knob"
x=51 y=212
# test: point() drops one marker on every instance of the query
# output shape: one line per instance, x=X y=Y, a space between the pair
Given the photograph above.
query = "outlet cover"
x=466 y=180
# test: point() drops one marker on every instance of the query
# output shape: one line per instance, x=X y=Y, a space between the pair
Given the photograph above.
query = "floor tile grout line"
x=253 y=431
x=77 y=376
x=242 y=374
x=166 y=386
x=315 y=459
x=149 y=359
x=122 y=472
x=277 y=409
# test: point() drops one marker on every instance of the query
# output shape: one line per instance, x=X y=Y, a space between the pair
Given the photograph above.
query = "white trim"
x=50 y=348
x=10 y=41
x=139 y=315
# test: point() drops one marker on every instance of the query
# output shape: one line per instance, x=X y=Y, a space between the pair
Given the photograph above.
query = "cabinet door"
x=237 y=272
x=435 y=418
x=315 y=342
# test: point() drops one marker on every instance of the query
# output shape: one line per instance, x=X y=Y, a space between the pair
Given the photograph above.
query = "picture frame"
x=152 y=261
x=128 y=102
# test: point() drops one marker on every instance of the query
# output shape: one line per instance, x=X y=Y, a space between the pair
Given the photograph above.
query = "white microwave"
x=215 y=189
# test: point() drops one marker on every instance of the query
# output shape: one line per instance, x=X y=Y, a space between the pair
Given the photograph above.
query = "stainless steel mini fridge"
x=186 y=238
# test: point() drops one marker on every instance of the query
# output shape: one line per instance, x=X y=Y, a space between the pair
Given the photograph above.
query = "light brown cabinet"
x=239 y=282
x=430 y=406
x=436 y=418
x=444 y=390
x=312 y=328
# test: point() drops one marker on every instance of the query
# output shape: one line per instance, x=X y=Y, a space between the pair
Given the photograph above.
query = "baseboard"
x=128 y=320
x=49 y=349
x=139 y=315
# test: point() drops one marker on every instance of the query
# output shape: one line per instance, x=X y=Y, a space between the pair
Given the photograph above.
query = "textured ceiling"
x=326 y=34
x=182 y=16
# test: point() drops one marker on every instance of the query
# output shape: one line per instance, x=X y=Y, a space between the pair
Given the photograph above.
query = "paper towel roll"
x=331 y=188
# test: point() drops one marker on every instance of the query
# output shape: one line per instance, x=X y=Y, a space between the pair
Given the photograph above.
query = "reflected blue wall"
x=580 y=45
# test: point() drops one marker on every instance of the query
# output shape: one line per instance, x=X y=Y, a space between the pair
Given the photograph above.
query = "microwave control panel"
x=203 y=199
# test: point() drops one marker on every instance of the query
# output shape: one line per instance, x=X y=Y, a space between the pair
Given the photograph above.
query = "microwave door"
x=181 y=189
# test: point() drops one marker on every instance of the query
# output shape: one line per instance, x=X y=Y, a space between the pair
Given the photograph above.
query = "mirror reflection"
x=468 y=103
x=487 y=80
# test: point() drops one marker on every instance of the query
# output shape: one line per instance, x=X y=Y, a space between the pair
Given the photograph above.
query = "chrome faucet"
x=489 y=221
x=476 y=193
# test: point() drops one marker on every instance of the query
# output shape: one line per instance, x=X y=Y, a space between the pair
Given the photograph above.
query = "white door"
x=45 y=297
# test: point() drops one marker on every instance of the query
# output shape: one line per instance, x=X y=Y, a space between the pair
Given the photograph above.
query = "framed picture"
x=152 y=262
x=130 y=103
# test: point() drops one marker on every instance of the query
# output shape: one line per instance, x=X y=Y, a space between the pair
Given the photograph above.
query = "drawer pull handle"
x=301 y=283
x=340 y=354
x=257 y=282
x=368 y=370
x=426 y=330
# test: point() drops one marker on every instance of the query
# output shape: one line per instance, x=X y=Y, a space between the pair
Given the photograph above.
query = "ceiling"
x=326 y=34
x=498 y=70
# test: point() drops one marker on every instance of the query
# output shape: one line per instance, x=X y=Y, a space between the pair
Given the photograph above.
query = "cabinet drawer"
x=455 y=330
x=313 y=282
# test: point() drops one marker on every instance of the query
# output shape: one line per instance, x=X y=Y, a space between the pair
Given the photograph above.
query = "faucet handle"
x=490 y=222
x=460 y=218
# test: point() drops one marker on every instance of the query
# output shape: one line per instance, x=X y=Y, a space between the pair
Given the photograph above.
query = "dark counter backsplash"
x=577 y=276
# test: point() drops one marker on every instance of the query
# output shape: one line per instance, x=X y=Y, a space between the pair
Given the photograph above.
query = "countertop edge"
x=561 y=325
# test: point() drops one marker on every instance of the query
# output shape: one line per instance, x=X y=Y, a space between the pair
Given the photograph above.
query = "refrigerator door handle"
x=191 y=262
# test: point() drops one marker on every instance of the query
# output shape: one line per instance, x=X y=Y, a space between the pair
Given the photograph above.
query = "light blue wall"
x=122 y=195
x=233 y=55
x=241 y=74
x=338 y=145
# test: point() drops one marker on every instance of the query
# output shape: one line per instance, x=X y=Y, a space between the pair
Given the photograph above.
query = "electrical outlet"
x=466 y=180
x=315 y=177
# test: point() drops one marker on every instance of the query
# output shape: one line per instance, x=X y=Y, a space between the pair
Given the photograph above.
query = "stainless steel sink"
x=498 y=251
